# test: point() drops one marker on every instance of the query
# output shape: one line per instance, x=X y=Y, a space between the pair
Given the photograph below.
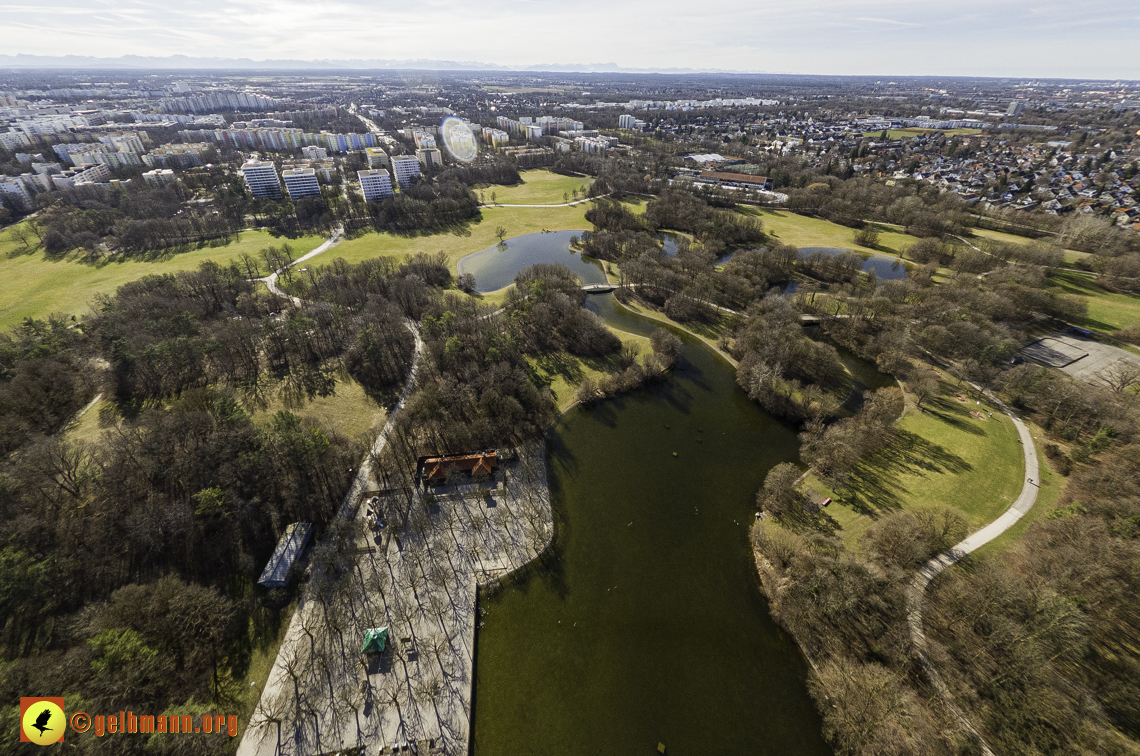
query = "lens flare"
x=459 y=139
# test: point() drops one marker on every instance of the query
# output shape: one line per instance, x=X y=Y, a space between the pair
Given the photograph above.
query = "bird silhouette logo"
x=41 y=720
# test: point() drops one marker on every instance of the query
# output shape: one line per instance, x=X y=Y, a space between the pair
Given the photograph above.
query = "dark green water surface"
x=645 y=622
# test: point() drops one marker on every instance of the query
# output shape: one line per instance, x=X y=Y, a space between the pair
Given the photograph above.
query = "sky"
x=1021 y=38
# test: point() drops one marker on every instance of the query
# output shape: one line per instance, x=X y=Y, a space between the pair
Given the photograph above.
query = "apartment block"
x=376 y=157
x=374 y=184
x=160 y=177
x=261 y=178
x=313 y=152
x=405 y=167
x=301 y=182
x=430 y=157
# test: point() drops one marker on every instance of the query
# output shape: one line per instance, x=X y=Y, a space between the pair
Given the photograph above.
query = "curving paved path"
x=916 y=591
x=335 y=238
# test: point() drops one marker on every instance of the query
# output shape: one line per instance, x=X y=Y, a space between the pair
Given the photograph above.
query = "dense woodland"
x=1039 y=646
x=128 y=563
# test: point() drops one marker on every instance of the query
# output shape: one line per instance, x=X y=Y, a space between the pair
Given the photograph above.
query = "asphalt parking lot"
x=1082 y=358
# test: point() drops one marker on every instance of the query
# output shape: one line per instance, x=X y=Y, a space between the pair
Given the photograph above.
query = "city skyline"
x=828 y=37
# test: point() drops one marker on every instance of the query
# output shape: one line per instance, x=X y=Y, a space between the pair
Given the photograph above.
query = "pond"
x=645 y=621
x=669 y=242
x=496 y=266
x=886 y=268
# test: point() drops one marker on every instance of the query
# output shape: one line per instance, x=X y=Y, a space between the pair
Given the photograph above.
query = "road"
x=916 y=591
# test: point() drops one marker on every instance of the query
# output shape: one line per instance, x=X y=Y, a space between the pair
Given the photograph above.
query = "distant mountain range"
x=185 y=62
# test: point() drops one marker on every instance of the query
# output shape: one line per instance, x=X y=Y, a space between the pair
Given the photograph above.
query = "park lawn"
x=803 y=231
x=941 y=456
x=90 y=427
x=33 y=285
x=349 y=411
x=478 y=235
x=1048 y=493
x=540 y=186
x=492 y=298
x=1108 y=311
x=564 y=372
x=1071 y=255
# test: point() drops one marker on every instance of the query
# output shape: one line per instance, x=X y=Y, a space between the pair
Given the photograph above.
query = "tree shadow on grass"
x=954 y=413
x=875 y=485
x=803 y=521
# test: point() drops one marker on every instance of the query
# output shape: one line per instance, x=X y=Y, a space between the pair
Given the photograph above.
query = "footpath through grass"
x=34 y=284
x=943 y=454
x=540 y=186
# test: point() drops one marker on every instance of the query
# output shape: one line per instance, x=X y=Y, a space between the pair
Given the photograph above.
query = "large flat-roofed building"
x=739 y=179
x=261 y=178
x=313 y=152
x=405 y=168
x=301 y=182
x=375 y=184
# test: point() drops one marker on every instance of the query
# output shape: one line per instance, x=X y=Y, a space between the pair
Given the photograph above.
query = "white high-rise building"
x=405 y=167
x=626 y=121
x=375 y=184
x=160 y=177
x=301 y=182
x=15 y=193
x=261 y=178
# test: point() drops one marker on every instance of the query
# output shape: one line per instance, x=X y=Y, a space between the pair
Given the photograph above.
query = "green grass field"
x=1071 y=255
x=709 y=332
x=1108 y=311
x=941 y=456
x=540 y=187
x=34 y=285
x=563 y=372
x=349 y=411
x=480 y=235
x=1048 y=492
x=802 y=231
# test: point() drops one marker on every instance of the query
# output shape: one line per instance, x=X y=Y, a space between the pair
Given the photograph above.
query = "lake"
x=645 y=621
x=496 y=266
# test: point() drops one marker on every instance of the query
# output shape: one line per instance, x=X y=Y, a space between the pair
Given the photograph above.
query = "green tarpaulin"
x=375 y=640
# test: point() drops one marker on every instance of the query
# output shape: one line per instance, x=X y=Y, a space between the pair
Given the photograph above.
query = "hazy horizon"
x=1017 y=38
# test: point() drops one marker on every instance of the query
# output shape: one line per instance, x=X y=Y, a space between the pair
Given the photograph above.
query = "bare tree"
x=1120 y=375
